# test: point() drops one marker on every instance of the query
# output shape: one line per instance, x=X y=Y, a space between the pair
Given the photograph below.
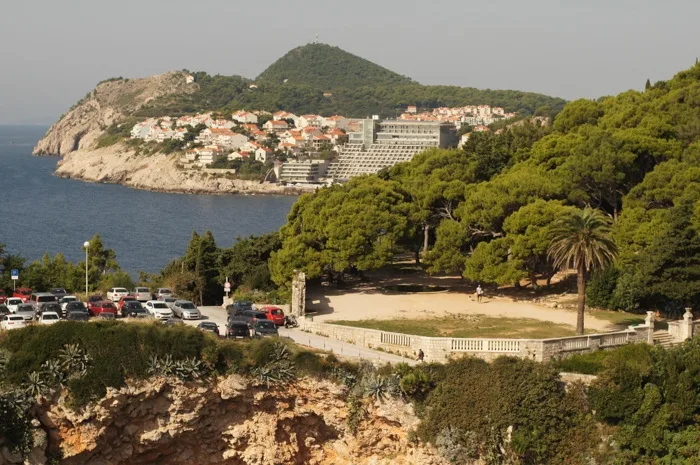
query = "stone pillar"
x=649 y=321
x=687 y=325
x=298 y=306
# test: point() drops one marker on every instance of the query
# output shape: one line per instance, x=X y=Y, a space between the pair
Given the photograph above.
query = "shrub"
x=601 y=287
x=588 y=364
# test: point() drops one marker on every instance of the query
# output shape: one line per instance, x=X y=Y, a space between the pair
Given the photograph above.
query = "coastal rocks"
x=158 y=172
x=229 y=422
x=82 y=125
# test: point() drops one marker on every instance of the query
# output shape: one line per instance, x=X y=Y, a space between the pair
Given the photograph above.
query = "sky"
x=54 y=52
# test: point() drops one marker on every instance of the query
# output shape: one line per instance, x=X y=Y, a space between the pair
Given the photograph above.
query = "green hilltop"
x=326 y=68
x=327 y=80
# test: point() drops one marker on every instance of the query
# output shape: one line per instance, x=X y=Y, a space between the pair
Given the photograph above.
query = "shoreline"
x=156 y=173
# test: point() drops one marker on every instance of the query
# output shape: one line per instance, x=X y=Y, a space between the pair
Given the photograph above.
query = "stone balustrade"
x=439 y=349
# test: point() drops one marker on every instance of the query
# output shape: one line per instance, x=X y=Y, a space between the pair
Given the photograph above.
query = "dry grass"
x=472 y=326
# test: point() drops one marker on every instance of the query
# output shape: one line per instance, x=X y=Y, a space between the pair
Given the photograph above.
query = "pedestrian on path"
x=421 y=355
x=479 y=293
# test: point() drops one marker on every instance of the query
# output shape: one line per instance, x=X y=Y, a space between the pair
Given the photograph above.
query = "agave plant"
x=52 y=371
x=153 y=365
x=344 y=376
x=36 y=385
x=74 y=359
x=281 y=352
x=166 y=366
x=377 y=386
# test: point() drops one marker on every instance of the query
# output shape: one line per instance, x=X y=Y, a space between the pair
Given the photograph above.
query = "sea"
x=42 y=213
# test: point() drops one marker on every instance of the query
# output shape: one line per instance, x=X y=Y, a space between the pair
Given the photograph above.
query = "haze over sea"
x=42 y=213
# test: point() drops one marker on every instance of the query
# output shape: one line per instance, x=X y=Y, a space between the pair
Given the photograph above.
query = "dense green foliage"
x=359 y=88
x=326 y=67
x=487 y=210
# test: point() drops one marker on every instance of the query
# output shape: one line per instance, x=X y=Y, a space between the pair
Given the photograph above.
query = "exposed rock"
x=158 y=172
x=106 y=104
x=231 y=422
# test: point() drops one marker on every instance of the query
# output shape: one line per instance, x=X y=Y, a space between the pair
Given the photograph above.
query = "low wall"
x=439 y=349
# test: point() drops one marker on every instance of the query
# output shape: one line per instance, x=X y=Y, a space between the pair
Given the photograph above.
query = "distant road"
x=341 y=349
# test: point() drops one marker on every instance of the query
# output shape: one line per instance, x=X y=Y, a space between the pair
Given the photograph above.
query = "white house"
x=222 y=124
x=309 y=120
x=243 y=116
x=274 y=125
x=336 y=121
x=264 y=154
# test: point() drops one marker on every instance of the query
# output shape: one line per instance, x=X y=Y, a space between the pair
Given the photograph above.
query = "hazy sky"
x=52 y=52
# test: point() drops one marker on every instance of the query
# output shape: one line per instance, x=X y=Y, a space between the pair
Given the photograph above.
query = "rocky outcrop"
x=229 y=423
x=109 y=102
x=158 y=172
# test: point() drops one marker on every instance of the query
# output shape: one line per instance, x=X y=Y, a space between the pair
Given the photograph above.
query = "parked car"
x=134 y=309
x=12 y=303
x=94 y=298
x=239 y=306
x=59 y=292
x=4 y=310
x=3 y=296
x=208 y=326
x=126 y=298
x=9 y=322
x=264 y=328
x=162 y=291
x=76 y=316
x=106 y=306
x=107 y=316
x=169 y=301
x=173 y=321
x=49 y=307
x=48 y=318
x=142 y=294
x=159 y=309
x=274 y=314
x=237 y=329
x=65 y=300
x=116 y=293
x=23 y=293
x=26 y=311
x=39 y=298
x=75 y=307
x=250 y=316
x=186 y=310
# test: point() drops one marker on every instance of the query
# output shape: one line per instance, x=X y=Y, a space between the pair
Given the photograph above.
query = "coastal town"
x=308 y=150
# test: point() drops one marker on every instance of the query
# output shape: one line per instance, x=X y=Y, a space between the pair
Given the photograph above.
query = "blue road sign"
x=14 y=274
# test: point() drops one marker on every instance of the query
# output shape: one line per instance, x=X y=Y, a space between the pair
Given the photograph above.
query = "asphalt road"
x=341 y=349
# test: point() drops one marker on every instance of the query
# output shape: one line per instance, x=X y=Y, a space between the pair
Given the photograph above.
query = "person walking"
x=479 y=293
x=421 y=355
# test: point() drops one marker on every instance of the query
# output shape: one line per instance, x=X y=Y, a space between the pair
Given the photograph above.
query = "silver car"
x=186 y=310
x=159 y=309
x=26 y=311
x=142 y=294
x=169 y=301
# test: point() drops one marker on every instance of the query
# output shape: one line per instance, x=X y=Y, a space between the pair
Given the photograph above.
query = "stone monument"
x=298 y=306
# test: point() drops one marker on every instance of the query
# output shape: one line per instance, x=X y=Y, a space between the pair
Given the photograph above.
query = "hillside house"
x=264 y=155
x=243 y=117
x=275 y=126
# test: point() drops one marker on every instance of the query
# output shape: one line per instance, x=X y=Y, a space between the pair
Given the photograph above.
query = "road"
x=340 y=349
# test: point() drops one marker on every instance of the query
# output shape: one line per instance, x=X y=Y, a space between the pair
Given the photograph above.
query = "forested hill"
x=326 y=67
x=327 y=80
x=489 y=208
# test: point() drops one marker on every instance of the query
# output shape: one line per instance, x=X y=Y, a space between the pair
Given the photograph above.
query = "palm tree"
x=582 y=241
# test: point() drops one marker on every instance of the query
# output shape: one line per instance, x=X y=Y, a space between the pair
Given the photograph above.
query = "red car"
x=23 y=293
x=3 y=296
x=104 y=306
x=274 y=314
x=126 y=298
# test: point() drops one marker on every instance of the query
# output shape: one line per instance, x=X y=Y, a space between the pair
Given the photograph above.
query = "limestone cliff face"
x=230 y=423
x=159 y=172
x=103 y=106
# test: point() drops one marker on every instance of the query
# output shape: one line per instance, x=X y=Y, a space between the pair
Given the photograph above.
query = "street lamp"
x=87 y=246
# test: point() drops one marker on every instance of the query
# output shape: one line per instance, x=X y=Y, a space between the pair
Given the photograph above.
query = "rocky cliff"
x=106 y=104
x=158 y=172
x=228 y=423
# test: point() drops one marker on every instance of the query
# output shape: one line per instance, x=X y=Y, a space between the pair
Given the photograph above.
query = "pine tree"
x=647 y=86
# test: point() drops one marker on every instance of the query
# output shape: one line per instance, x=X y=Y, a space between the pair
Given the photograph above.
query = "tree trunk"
x=417 y=254
x=426 y=236
x=581 y=284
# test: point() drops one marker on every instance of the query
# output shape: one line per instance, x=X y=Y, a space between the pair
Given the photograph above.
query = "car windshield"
x=59 y=290
x=70 y=299
x=95 y=298
x=132 y=304
x=165 y=291
x=75 y=304
x=49 y=316
x=187 y=306
x=14 y=301
x=25 y=308
x=265 y=325
x=141 y=289
x=260 y=316
x=46 y=298
x=159 y=305
x=209 y=325
x=14 y=318
x=108 y=305
x=120 y=289
x=275 y=311
x=77 y=316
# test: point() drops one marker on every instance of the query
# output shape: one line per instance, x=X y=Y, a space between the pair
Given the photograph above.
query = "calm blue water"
x=41 y=213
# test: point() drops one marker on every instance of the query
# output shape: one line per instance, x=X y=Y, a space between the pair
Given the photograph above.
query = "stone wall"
x=440 y=349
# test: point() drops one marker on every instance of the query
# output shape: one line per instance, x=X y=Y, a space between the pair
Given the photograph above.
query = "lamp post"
x=87 y=246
